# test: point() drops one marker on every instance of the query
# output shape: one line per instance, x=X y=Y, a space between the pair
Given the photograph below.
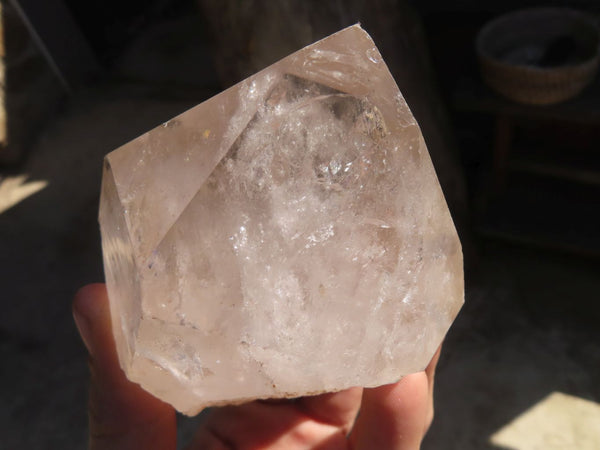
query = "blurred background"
x=521 y=365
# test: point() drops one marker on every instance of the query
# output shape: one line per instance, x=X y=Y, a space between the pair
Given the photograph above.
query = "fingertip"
x=88 y=304
x=86 y=300
x=430 y=372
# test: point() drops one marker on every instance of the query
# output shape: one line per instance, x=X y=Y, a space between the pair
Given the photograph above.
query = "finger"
x=338 y=408
x=122 y=415
x=393 y=416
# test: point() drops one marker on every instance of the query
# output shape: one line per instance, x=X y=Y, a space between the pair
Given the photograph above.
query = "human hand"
x=123 y=416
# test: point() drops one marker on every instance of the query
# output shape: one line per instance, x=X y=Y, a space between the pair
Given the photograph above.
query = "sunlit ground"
x=15 y=189
x=559 y=421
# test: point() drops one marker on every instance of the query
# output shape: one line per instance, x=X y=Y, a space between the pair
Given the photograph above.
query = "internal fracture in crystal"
x=286 y=237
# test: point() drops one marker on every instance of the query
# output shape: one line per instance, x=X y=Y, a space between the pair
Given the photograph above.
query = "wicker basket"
x=508 y=46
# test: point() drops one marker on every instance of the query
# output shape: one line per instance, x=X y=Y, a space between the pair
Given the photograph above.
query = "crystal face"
x=286 y=237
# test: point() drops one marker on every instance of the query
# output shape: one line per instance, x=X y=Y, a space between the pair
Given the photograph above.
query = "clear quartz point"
x=286 y=237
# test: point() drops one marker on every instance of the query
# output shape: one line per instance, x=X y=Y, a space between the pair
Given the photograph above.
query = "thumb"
x=122 y=415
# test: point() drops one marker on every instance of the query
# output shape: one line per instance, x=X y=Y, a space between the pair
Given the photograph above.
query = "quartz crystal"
x=286 y=237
